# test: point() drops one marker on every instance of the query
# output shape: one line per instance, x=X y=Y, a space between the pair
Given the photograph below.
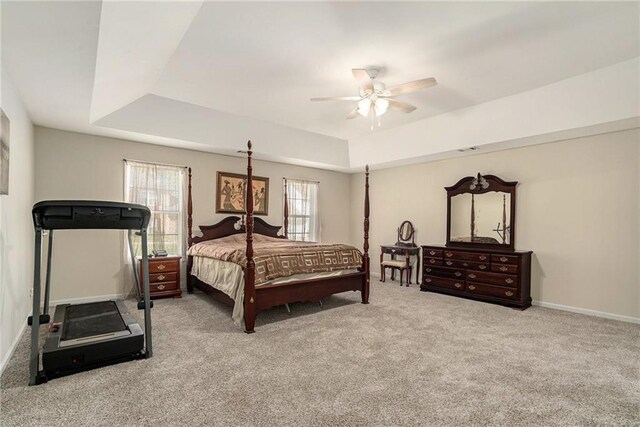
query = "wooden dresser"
x=164 y=276
x=491 y=275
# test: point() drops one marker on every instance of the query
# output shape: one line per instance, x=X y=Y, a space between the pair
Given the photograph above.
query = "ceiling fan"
x=375 y=98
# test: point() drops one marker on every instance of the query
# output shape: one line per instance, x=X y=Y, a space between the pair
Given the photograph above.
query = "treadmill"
x=86 y=336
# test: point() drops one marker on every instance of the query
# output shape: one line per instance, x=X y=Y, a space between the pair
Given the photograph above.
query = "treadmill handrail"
x=89 y=214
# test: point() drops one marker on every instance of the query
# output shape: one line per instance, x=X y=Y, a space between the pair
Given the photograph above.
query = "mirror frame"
x=412 y=238
x=495 y=184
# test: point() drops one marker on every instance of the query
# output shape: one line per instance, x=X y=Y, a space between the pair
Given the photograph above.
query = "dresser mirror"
x=481 y=212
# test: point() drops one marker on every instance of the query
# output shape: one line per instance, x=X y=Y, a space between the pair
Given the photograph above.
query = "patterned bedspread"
x=276 y=258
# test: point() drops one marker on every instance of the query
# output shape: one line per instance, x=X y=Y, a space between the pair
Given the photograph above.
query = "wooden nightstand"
x=164 y=276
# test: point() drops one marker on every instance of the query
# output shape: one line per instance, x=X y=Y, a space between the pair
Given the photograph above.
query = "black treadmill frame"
x=74 y=215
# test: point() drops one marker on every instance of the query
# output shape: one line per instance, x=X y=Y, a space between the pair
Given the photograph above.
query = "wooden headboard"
x=235 y=225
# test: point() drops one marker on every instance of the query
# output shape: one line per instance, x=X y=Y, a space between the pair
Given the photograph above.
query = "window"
x=161 y=189
x=302 y=198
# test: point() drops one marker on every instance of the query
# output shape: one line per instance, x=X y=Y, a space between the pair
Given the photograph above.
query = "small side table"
x=408 y=252
x=164 y=276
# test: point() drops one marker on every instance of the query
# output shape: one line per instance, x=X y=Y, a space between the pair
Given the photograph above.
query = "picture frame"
x=4 y=153
x=230 y=193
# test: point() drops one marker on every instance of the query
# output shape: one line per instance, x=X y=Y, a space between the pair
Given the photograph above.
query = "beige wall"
x=577 y=210
x=16 y=229
x=77 y=166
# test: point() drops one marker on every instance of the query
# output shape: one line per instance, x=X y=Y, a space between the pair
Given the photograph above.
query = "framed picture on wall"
x=4 y=153
x=231 y=195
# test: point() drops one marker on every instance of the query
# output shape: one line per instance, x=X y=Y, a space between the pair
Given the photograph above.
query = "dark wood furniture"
x=266 y=296
x=475 y=187
x=402 y=265
x=502 y=277
x=485 y=266
x=164 y=277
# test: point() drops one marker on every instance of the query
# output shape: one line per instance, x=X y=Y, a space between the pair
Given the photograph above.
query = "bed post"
x=365 y=257
x=189 y=234
x=249 y=272
x=286 y=210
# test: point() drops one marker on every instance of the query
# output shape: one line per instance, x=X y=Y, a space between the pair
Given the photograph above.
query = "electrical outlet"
x=31 y=293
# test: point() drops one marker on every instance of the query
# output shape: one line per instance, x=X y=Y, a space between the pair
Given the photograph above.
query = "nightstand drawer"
x=162 y=287
x=157 y=266
x=163 y=277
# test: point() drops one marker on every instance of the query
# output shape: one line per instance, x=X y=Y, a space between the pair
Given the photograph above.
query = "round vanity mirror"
x=405 y=232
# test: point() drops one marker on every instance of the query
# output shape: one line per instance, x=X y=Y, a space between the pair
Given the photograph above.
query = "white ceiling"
x=116 y=68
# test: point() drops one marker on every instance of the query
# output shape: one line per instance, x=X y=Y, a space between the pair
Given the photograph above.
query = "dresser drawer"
x=466 y=264
x=504 y=268
x=493 y=291
x=493 y=278
x=468 y=256
x=444 y=283
x=163 y=277
x=164 y=286
x=157 y=266
x=504 y=259
x=436 y=253
x=452 y=273
x=432 y=261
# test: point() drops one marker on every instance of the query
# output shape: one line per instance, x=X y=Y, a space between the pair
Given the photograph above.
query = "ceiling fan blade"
x=337 y=98
x=353 y=114
x=401 y=106
x=364 y=80
x=409 y=87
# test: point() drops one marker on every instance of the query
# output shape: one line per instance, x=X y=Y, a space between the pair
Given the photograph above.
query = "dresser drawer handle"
x=449 y=262
x=504 y=259
x=449 y=254
x=432 y=261
x=482 y=257
x=458 y=274
x=472 y=276
x=471 y=288
x=161 y=287
x=432 y=252
x=457 y=285
x=509 y=293
x=161 y=267
x=427 y=280
x=393 y=251
x=482 y=267
x=503 y=268
x=509 y=280
x=161 y=277
x=465 y=264
x=428 y=270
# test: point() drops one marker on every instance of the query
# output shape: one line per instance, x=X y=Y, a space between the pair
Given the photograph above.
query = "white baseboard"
x=588 y=312
x=83 y=300
x=12 y=348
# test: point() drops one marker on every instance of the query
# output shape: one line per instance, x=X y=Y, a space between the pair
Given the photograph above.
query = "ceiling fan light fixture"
x=381 y=105
x=363 y=107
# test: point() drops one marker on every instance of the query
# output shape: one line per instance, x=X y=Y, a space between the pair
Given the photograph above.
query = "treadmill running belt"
x=88 y=320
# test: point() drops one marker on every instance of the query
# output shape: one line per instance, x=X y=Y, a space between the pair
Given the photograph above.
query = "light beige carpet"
x=408 y=358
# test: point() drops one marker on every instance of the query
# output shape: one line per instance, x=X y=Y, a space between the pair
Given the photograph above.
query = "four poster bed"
x=222 y=262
